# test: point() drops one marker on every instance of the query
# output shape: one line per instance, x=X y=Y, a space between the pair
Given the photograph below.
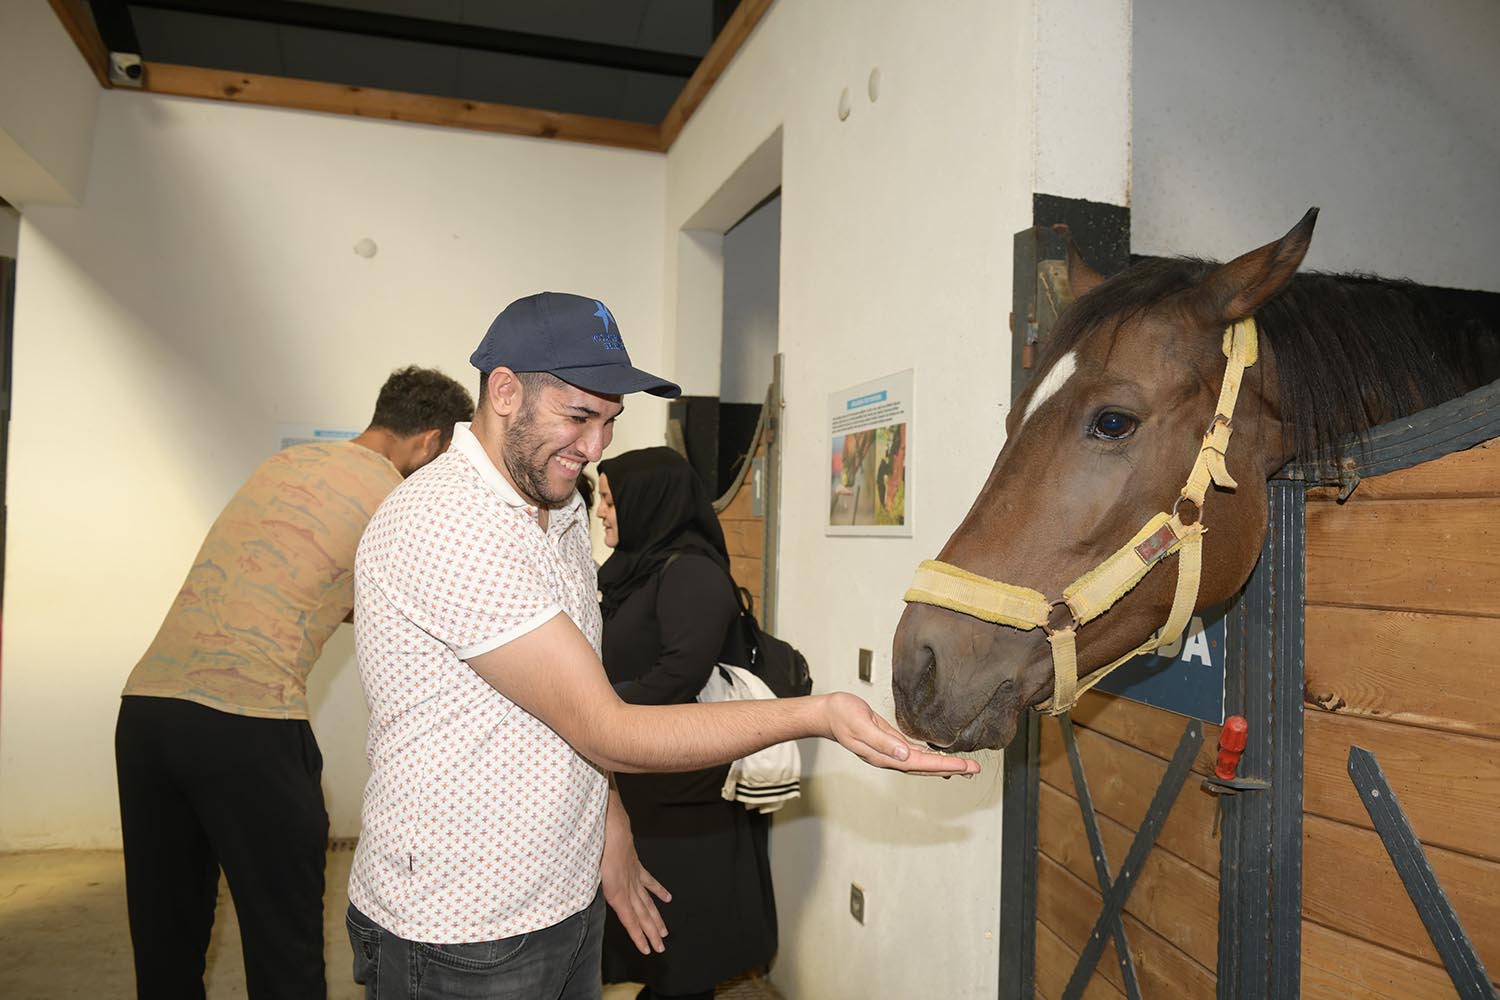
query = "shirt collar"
x=467 y=444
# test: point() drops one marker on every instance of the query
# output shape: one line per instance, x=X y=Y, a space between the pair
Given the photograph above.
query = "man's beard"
x=522 y=444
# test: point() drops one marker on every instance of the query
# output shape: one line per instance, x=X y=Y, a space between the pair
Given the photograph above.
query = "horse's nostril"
x=924 y=690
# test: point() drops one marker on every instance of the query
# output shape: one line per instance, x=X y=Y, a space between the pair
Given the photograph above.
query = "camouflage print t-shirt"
x=272 y=582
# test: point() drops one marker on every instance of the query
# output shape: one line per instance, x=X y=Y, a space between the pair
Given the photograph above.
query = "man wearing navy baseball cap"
x=573 y=337
x=488 y=819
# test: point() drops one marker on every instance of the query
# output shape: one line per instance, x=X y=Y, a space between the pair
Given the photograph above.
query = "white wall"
x=206 y=290
x=1382 y=112
x=896 y=232
x=752 y=283
x=48 y=98
x=1082 y=100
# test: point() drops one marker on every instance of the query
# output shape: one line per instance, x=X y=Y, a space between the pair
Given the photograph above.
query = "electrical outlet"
x=866 y=658
x=856 y=902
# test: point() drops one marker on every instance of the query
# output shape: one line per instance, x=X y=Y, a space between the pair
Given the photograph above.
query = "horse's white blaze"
x=1054 y=380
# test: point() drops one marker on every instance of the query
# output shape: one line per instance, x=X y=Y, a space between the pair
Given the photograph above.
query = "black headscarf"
x=661 y=508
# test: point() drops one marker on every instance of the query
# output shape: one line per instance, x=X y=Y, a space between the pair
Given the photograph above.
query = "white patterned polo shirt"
x=479 y=822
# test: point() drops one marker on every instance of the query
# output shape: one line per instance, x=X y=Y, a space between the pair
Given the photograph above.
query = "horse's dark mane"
x=1352 y=350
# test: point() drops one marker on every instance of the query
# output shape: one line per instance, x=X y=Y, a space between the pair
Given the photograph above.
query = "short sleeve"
x=472 y=591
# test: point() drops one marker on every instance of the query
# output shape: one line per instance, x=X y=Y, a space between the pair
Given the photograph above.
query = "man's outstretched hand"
x=858 y=729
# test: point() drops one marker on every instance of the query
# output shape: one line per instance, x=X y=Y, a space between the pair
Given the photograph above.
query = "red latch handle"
x=1231 y=744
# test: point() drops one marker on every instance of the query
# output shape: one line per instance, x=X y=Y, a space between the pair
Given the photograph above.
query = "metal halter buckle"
x=1061 y=602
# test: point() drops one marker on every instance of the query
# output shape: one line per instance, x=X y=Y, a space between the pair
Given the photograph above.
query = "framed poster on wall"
x=869 y=458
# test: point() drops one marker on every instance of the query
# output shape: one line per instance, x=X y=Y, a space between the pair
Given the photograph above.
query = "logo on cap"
x=607 y=338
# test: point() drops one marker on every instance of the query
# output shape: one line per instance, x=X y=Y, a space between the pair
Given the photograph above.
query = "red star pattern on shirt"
x=479 y=822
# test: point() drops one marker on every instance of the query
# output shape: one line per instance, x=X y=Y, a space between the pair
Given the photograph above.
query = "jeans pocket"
x=481 y=956
x=364 y=940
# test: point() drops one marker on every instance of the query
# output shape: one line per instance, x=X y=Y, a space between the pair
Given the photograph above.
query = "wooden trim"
x=393 y=105
x=715 y=61
x=79 y=22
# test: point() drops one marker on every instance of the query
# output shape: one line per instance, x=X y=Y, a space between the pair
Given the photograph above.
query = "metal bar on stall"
x=1018 y=859
x=1096 y=849
x=1422 y=885
x=1287 y=508
x=1130 y=870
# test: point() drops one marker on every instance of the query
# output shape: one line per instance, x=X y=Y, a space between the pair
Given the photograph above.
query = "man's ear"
x=432 y=443
x=503 y=392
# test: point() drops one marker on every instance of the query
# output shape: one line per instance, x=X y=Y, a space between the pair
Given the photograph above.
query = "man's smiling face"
x=560 y=428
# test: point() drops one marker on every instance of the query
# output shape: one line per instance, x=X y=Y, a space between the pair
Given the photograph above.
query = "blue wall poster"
x=1184 y=676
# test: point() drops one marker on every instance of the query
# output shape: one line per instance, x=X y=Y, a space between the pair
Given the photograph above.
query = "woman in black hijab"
x=669 y=616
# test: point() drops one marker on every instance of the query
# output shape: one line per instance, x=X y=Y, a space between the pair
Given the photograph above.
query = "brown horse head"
x=1102 y=439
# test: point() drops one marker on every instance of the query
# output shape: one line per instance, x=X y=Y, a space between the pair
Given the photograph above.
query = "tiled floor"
x=63 y=933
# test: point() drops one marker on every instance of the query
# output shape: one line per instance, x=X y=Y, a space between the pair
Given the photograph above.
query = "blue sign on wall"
x=1184 y=676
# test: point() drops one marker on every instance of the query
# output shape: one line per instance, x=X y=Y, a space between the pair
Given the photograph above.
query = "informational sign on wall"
x=291 y=434
x=869 y=457
x=1184 y=676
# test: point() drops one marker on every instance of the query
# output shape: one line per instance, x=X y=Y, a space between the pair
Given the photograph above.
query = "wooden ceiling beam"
x=394 y=105
x=79 y=22
x=715 y=61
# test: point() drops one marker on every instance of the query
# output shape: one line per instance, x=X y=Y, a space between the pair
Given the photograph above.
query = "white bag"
x=766 y=779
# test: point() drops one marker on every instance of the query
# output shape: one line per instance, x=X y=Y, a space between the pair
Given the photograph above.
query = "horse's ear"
x=1082 y=279
x=1235 y=290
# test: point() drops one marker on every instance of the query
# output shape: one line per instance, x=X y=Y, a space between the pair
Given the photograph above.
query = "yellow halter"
x=1095 y=592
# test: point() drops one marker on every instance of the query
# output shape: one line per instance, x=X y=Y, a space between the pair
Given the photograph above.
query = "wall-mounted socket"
x=857 y=902
x=866 y=659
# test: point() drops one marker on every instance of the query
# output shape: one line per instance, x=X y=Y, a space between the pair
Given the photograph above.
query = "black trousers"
x=202 y=790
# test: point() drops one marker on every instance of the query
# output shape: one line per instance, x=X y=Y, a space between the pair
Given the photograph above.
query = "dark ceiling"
x=621 y=59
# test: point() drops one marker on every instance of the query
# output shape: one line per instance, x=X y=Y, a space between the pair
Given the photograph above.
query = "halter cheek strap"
x=1095 y=592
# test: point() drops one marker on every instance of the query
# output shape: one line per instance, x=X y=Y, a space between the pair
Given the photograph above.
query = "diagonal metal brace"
x=1096 y=848
x=1156 y=815
x=1426 y=892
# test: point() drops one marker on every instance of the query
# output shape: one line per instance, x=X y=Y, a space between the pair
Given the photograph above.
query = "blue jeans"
x=560 y=962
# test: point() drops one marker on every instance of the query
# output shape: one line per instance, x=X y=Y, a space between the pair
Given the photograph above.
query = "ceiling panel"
x=679 y=27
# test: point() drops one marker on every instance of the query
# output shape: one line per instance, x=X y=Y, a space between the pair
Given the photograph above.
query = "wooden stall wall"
x=1172 y=915
x=1403 y=659
x=745 y=535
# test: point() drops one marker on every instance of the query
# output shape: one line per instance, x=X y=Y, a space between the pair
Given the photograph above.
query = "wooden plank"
x=392 y=105
x=1437 y=671
x=1338 y=967
x=1122 y=780
x=716 y=60
x=1068 y=907
x=1350 y=885
x=1471 y=473
x=744 y=538
x=1151 y=729
x=747 y=573
x=739 y=508
x=1054 y=964
x=1180 y=902
x=78 y=20
x=1448 y=785
x=1407 y=555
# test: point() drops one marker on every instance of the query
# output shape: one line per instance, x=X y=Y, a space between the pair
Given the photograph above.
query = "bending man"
x=216 y=760
x=492 y=723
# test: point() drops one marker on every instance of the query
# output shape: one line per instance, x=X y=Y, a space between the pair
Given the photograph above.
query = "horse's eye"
x=1112 y=425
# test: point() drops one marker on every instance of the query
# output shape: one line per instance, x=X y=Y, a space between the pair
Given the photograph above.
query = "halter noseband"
x=947 y=586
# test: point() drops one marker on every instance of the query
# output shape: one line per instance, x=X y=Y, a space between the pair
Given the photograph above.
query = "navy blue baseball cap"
x=571 y=336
